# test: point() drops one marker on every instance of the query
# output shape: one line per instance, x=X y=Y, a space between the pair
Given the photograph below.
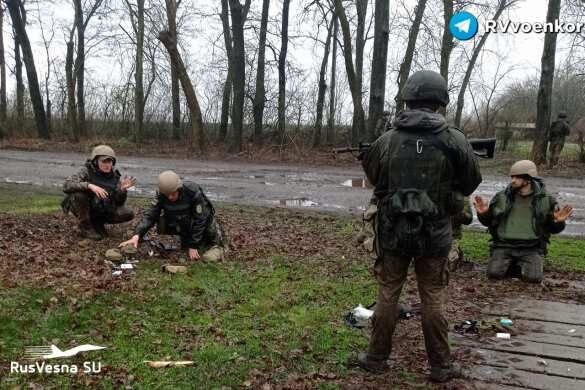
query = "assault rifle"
x=482 y=147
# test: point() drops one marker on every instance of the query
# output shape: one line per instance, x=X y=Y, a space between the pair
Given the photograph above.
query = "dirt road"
x=322 y=188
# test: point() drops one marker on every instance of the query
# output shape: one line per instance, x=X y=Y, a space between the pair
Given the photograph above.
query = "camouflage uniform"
x=559 y=130
x=386 y=167
x=92 y=211
x=465 y=217
x=191 y=217
x=528 y=254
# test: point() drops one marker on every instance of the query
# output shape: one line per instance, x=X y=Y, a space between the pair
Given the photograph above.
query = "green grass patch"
x=27 y=199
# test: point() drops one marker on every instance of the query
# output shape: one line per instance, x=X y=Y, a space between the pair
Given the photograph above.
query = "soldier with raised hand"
x=521 y=219
x=183 y=209
x=421 y=170
x=96 y=194
x=558 y=132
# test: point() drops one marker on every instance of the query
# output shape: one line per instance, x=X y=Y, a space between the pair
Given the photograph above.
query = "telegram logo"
x=463 y=25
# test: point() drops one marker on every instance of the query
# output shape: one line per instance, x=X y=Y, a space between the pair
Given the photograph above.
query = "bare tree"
x=227 y=88
x=332 y=83
x=171 y=8
x=322 y=87
x=47 y=40
x=379 y=62
x=197 y=136
x=282 y=70
x=3 y=105
x=358 y=125
x=14 y=7
x=502 y=5
x=19 y=103
x=260 y=96
x=409 y=54
x=136 y=13
x=70 y=82
x=447 y=39
x=547 y=71
x=83 y=14
x=239 y=74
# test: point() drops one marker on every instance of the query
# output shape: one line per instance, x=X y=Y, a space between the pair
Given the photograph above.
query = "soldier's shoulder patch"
x=198 y=209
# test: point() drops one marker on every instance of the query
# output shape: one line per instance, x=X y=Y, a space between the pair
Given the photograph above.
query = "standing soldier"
x=559 y=130
x=96 y=194
x=421 y=170
x=183 y=209
x=382 y=124
x=521 y=219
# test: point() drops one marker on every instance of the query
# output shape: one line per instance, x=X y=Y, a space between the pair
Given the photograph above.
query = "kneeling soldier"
x=183 y=209
x=96 y=194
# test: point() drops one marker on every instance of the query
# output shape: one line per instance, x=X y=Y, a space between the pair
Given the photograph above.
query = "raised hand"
x=127 y=182
x=481 y=206
x=562 y=214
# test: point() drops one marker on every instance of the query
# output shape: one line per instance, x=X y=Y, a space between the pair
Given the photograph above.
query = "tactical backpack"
x=420 y=192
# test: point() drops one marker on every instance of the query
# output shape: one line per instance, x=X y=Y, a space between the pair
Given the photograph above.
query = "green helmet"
x=426 y=85
x=103 y=150
x=524 y=167
x=562 y=114
x=169 y=182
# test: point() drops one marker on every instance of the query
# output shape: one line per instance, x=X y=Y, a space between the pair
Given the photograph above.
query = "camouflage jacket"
x=89 y=174
x=558 y=131
x=193 y=213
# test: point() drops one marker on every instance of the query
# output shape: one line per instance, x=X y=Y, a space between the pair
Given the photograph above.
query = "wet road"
x=321 y=188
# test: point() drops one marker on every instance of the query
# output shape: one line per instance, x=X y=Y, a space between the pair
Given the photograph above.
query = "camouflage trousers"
x=82 y=205
x=504 y=261
x=554 y=150
x=214 y=239
x=432 y=274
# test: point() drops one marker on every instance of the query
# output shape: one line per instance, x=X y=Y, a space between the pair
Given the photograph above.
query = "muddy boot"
x=376 y=366
x=445 y=374
x=86 y=230
x=100 y=228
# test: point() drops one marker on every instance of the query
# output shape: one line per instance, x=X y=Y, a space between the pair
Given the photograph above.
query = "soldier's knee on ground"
x=494 y=271
x=216 y=253
x=532 y=278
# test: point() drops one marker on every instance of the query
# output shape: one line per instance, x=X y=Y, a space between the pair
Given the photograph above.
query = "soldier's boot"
x=445 y=374
x=376 y=366
x=214 y=254
x=79 y=205
x=87 y=230
x=99 y=227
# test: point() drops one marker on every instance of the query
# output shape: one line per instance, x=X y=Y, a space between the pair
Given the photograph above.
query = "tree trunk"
x=360 y=42
x=70 y=80
x=461 y=96
x=282 y=71
x=14 y=8
x=80 y=67
x=322 y=88
x=139 y=74
x=171 y=6
x=197 y=136
x=331 y=118
x=19 y=86
x=409 y=54
x=239 y=75
x=3 y=104
x=446 y=44
x=379 y=62
x=227 y=87
x=543 y=104
x=259 y=99
x=358 y=124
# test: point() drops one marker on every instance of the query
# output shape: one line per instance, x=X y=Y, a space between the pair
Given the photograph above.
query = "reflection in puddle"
x=360 y=183
x=300 y=202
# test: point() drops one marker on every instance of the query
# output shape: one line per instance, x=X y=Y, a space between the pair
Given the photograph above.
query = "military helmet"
x=426 y=85
x=103 y=150
x=562 y=114
x=523 y=167
x=169 y=182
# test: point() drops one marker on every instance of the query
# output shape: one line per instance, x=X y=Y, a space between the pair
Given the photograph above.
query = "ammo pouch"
x=402 y=221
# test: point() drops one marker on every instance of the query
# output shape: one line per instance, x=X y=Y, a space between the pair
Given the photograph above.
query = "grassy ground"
x=277 y=318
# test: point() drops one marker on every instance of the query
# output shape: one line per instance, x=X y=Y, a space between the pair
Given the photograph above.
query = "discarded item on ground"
x=113 y=255
x=505 y=336
x=158 y=247
x=126 y=266
x=359 y=316
x=542 y=362
x=506 y=321
x=572 y=330
x=129 y=250
x=362 y=313
x=174 y=269
x=117 y=273
x=467 y=327
x=165 y=363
